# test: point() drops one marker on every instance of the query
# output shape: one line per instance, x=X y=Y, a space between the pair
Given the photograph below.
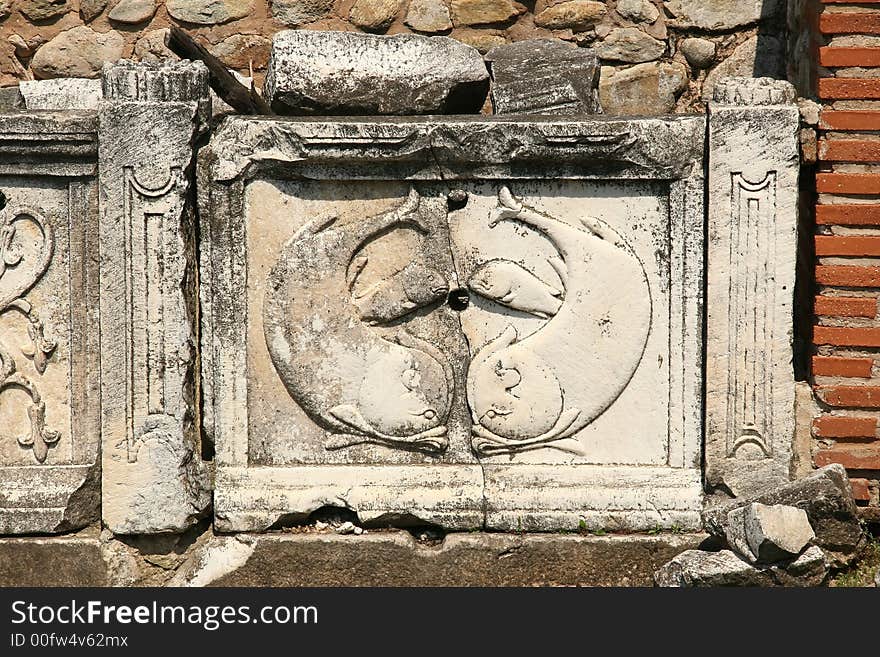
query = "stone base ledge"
x=382 y=558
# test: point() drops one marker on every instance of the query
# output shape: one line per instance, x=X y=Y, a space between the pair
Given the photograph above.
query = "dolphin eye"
x=491 y=413
x=430 y=414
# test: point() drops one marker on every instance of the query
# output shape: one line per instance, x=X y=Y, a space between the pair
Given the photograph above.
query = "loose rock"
x=78 y=52
x=699 y=53
x=543 y=76
x=209 y=12
x=649 y=88
x=809 y=569
x=5 y=8
x=826 y=497
x=339 y=73
x=43 y=10
x=428 y=16
x=132 y=12
x=481 y=12
x=374 y=15
x=573 y=14
x=777 y=531
x=630 y=44
x=695 y=568
x=720 y=14
x=299 y=12
x=640 y=11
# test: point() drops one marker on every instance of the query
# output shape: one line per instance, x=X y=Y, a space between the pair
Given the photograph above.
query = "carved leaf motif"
x=12 y=291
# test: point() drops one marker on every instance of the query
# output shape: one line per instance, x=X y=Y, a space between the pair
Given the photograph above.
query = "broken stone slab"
x=824 y=495
x=345 y=73
x=543 y=76
x=644 y=89
x=62 y=94
x=776 y=532
x=719 y=15
x=695 y=568
x=394 y=558
x=153 y=477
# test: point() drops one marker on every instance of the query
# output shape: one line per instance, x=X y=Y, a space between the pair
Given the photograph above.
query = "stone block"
x=776 y=532
x=826 y=497
x=753 y=195
x=346 y=73
x=61 y=94
x=49 y=348
x=696 y=569
x=372 y=289
x=154 y=479
x=542 y=76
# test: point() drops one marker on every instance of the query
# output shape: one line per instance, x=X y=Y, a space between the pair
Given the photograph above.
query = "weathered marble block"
x=752 y=248
x=49 y=340
x=154 y=479
x=464 y=322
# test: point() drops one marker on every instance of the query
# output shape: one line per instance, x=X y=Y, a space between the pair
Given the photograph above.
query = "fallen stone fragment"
x=735 y=534
x=62 y=94
x=543 y=76
x=776 y=532
x=695 y=568
x=825 y=496
x=345 y=73
x=809 y=569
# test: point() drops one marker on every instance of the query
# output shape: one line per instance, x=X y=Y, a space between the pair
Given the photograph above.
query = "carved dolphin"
x=382 y=386
x=576 y=365
x=514 y=286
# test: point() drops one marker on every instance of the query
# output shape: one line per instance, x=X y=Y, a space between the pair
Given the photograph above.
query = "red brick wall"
x=846 y=332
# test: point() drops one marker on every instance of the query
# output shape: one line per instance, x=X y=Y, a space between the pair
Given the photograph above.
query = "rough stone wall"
x=846 y=334
x=658 y=57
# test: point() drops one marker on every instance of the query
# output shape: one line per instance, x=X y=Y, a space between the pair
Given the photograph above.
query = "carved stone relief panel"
x=429 y=321
x=49 y=348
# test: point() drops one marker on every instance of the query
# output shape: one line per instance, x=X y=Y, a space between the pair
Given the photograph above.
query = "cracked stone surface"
x=414 y=340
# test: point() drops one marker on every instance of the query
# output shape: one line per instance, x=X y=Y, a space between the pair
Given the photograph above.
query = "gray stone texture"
x=698 y=569
x=720 y=15
x=631 y=45
x=429 y=16
x=699 y=53
x=209 y=12
x=62 y=94
x=640 y=11
x=154 y=479
x=91 y=9
x=299 y=12
x=132 y=12
x=543 y=77
x=826 y=497
x=776 y=532
x=761 y=56
x=340 y=73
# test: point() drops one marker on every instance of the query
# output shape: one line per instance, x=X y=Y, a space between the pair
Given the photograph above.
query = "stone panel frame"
x=460 y=496
x=61 y=148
